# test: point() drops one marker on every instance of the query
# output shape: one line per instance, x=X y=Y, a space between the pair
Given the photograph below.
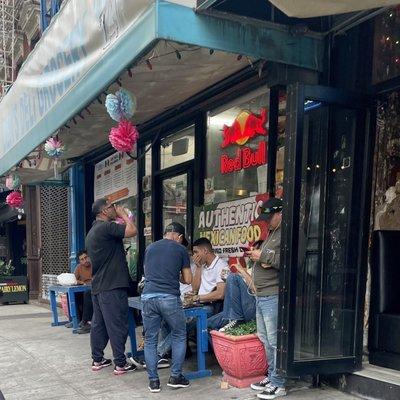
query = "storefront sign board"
x=231 y=225
x=115 y=178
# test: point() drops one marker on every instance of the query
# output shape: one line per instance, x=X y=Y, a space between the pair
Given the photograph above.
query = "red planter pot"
x=241 y=357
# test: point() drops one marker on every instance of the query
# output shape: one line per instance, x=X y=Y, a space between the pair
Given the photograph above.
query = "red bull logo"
x=246 y=126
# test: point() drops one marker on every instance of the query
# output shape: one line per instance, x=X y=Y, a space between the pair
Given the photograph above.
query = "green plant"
x=6 y=269
x=246 y=328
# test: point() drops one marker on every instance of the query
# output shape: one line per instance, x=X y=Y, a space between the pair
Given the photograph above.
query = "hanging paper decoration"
x=13 y=181
x=124 y=136
x=55 y=149
x=121 y=105
x=15 y=199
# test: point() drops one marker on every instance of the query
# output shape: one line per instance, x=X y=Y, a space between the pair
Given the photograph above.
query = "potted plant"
x=12 y=288
x=240 y=354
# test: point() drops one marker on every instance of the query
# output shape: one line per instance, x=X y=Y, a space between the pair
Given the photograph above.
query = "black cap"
x=270 y=207
x=98 y=206
x=177 y=228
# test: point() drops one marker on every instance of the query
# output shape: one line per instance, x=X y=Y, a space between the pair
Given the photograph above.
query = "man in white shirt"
x=209 y=278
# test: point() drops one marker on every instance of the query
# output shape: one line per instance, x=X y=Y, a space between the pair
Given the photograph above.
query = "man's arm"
x=186 y=275
x=77 y=273
x=215 y=295
x=246 y=276
x=196 y=282
x=130 y=227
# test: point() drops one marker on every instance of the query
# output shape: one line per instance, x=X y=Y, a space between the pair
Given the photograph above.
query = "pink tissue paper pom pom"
x=15 y=199
x=124 y=136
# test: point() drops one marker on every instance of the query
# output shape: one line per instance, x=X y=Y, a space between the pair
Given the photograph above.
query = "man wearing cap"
x=166 y=263
x=266 y=282
x=109 y=284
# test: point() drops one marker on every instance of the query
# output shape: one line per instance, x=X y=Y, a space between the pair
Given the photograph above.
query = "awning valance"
x=89 y=44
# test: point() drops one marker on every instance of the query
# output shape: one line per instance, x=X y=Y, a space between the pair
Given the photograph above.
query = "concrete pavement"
x=40 y=362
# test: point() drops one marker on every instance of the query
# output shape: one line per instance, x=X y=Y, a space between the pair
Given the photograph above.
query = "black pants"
x=110 y=322
x=84 y=305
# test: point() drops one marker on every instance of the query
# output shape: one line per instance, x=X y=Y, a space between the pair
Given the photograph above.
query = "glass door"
x=175 y=196
x=324 y=231
x=174 y=199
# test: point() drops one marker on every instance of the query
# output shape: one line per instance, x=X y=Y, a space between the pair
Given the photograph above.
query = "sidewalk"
x=40 y=362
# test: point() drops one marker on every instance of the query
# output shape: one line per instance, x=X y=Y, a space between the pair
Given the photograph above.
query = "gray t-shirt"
x=266 y=280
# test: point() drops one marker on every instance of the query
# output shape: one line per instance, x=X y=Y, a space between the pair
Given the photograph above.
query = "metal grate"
x=54 y=229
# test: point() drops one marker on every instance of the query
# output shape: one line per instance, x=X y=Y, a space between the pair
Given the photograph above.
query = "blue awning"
x=90 y=43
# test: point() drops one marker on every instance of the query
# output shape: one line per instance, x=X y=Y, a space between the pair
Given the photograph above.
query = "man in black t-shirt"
x=109 y=285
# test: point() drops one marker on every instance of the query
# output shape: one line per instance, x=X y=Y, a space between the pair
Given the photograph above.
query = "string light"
x=130 y=73
x=149 y=66
x=211 y=52
x=239 y=57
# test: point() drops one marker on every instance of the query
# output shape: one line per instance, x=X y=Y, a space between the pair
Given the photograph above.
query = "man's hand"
x=254 y=254
x=189 y=299
x=120 y=211
x=197 y=260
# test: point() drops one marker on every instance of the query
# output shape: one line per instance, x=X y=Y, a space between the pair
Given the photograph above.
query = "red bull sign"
x=245 y=127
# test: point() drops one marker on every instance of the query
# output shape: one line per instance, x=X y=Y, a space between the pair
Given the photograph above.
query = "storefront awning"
x=89 y=44
x=317 y=8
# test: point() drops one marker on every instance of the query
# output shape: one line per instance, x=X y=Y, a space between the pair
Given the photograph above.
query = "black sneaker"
x=163 y=363
x=178 y=382
x=123 y=370
x=272 y=392
x=84 y=329
x=138 y=362
x=261 y=385
x=154 y=386
x=97 y=366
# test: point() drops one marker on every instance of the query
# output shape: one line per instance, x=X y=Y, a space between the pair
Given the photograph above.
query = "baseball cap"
x=177 y=228
x=270 y=207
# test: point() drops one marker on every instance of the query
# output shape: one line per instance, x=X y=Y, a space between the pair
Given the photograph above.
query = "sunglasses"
x=108 y=207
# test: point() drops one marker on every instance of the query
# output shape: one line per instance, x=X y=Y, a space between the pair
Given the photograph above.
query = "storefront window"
x=237 y=138
x=177 y=148
x=386 y=62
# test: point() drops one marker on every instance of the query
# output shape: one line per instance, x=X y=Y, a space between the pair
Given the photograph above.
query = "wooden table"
x=202 y=336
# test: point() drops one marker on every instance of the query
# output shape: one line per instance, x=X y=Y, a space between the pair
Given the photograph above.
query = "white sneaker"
x=272 y=392
x=229 y=325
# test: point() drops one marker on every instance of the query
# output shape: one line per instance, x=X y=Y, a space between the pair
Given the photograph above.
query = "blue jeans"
x=238 y=303
x=267 y=324
x=165 y=339
x=167 y=308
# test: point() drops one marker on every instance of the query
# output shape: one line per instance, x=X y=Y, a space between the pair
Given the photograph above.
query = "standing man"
x=266 y=281
x=166 y=262
x=109 y=285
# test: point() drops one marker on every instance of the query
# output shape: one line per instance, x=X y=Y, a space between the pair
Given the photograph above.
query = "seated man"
x=209 y=278
x=239 y=303
x=83 y=274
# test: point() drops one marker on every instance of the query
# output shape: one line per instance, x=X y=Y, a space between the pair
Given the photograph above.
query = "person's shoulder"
x=222 y=262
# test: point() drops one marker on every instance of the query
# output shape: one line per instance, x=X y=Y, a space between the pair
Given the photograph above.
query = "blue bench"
x=202 y=336
x=70 y=291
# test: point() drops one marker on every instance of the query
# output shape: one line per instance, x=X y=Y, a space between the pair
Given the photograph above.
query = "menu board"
x=115 y=178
